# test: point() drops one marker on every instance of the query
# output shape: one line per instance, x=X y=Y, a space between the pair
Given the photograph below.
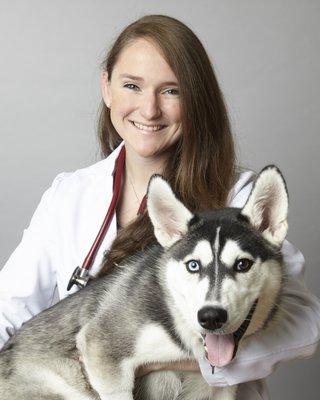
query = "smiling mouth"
x=148 y=128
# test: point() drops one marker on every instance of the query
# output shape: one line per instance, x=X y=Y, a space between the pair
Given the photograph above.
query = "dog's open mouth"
x=221 y=349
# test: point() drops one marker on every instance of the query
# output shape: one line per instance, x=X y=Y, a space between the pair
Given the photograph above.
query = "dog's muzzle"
x=238 y=334
x=221 y=349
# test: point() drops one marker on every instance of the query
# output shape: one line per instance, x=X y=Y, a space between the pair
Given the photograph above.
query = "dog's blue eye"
x=242 y=265
x=193 y=266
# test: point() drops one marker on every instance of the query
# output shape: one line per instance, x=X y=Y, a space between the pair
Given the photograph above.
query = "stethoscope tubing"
x=80 y=275
x=117 y=181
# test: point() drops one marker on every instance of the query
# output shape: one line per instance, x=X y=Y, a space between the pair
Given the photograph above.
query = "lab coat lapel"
x=112 y=230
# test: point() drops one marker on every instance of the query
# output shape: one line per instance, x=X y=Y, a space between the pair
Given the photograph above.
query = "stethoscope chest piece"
x=79 y=277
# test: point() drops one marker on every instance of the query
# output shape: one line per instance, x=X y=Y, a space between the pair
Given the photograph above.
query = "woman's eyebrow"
x=139 y=79
x=134 y=78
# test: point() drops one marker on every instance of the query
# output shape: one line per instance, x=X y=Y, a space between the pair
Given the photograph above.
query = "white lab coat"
x=60 y=235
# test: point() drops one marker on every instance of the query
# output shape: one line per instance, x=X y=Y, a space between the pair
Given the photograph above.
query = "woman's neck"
x=140 y=169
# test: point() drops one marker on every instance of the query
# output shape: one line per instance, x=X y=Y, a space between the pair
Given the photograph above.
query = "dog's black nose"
x=212 y=317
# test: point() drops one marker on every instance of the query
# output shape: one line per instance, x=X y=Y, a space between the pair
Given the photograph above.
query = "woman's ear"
x=105 y=89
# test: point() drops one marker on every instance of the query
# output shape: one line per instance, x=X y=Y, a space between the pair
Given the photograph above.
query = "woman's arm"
x=174 y=366
x=27 y=281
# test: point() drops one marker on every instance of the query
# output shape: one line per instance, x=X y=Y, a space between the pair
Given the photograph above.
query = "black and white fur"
x=148 y=309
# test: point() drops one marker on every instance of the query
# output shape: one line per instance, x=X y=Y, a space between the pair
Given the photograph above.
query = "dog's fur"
x=169 y=303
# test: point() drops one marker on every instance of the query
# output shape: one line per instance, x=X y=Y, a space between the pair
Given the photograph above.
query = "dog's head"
x=224 y=267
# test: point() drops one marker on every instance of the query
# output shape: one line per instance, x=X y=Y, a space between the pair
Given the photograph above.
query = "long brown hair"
x=201 y=168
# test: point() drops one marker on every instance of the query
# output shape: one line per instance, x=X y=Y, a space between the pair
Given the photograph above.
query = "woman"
x=161 y=105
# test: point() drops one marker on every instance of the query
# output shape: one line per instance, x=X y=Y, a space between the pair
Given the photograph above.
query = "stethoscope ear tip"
x=79 y=277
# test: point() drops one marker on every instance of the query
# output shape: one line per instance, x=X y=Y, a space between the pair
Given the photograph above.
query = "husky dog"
x=213 y=278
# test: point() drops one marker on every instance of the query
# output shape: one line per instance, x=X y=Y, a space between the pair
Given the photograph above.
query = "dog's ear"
x=168 y=215
x=267 y=205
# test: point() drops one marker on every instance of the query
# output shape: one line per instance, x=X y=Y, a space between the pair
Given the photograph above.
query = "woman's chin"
x=143 y=150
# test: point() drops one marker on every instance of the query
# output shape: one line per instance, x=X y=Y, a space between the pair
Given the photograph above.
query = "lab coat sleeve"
x=27 y=280
x=294 y=336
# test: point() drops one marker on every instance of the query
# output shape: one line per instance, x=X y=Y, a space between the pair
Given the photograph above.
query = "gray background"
x=266 y=56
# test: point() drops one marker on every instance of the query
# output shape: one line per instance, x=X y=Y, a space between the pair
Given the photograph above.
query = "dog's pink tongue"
x=220 y=349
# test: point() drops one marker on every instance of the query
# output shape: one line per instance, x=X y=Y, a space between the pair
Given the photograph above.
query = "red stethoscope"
x=81 y=275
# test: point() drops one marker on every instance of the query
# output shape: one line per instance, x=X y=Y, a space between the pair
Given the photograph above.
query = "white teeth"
x=148 y=128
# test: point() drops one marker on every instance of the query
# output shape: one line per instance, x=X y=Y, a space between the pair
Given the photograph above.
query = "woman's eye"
x=172 y=91
x=193 y=266
x=243 y=265
x=131 y=86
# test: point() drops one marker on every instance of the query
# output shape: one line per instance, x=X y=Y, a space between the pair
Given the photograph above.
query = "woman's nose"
x=150 y=107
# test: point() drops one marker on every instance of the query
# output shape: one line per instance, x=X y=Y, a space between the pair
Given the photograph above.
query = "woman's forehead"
x=143 y=59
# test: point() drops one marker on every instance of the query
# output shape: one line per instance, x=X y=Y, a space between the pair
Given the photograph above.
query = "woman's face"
x=144 y=96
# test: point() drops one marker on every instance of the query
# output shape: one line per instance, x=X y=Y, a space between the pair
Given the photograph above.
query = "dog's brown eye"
x=242 y=265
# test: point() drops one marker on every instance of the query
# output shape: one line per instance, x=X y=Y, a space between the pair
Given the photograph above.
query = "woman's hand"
x=192 y=366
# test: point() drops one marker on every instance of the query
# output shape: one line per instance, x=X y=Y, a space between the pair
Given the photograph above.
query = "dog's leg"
x=158 y=385
x=111 y=382
x=111 y=378
x=194 y=387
